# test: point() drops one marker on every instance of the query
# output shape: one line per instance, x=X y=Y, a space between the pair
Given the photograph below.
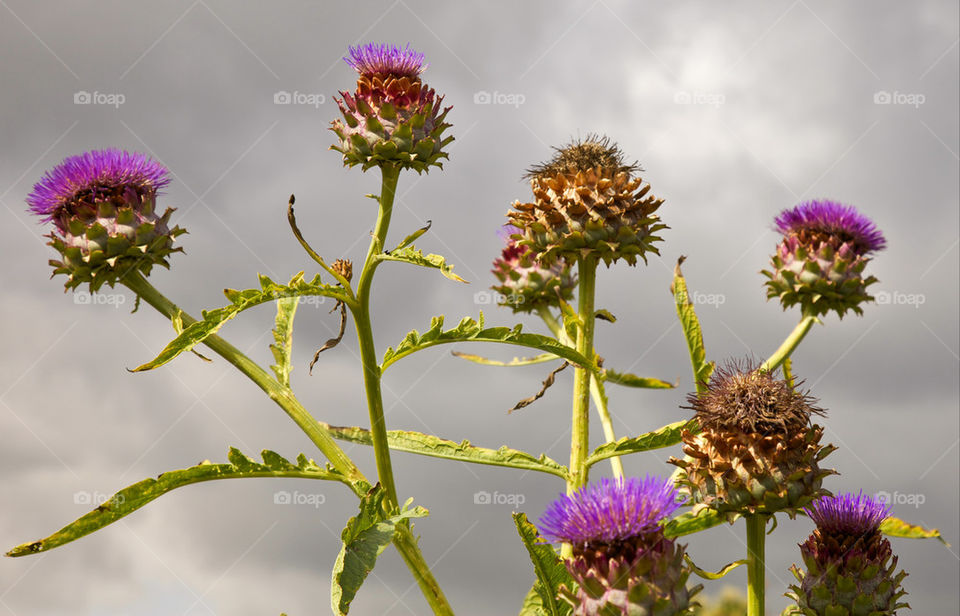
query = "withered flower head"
x=588 y=202
x=757 y=451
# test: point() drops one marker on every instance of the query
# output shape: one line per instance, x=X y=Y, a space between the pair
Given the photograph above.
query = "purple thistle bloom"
x=382 y=59
x=610 y=511
x=848 y=514
x=92 y=173
x=835 y=219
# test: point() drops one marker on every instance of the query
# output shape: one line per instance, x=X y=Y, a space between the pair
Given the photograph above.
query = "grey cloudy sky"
x=734 y=113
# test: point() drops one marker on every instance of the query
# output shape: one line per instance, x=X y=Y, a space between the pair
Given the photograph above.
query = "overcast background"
x=734 y=114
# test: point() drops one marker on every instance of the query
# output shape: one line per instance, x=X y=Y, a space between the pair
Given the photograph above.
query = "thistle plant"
x=850 y=566
x=751 y=449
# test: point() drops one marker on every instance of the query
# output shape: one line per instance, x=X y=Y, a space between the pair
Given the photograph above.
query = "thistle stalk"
x=404 y=541
x=599 y=398
x=580 y=432
x=368 y=352
x=790 y=344
x=756 y=540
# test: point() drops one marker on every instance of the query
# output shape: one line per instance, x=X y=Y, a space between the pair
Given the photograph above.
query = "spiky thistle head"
x=849 y=564
x=524 y=284
x=757 y=451
x=819 y=263
x=102 y=204
x=392 y=117
x=621 y=561
x=588 y=202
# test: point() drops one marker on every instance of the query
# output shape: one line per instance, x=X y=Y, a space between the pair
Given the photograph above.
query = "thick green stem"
x=285 y=398
x=596 y=389
x=788 y=346
x=756 y=538
x=580 y=436
x=368 y=351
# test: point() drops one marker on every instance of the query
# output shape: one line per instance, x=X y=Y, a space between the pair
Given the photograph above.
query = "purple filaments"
x=849 y=514
x=381 y=59
x=610 y=510
x=832 y=219
x=108 y=171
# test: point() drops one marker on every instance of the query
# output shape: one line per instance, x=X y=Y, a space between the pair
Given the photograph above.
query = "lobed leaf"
x=632 y=380
x=516 y=361
x=895 y=527
x=468 y=330
x=702 y=369
x=131 y=498
x=707 y=575
x=666 y=436
x=533 y=603
x=410 y=254
x=197 y=331
x=551 y=572
x=436 y=447
x=364 y=539
x=282 y=346
x=410 y=239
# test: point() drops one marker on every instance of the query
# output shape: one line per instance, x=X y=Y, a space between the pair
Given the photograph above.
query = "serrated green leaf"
x=691 y=329
x=631 y=380
x=282 y=346
x=433 y=446
x=532 y=603
x=469 y=330
x=551 y=572
x=666 y=436
x=692 y=522
x=364 y=539
x=131 y=498
x=410 y=254
x=516 y=361
x=413 y=236
x=197 y=331
x=895 y=527
x=707 y=575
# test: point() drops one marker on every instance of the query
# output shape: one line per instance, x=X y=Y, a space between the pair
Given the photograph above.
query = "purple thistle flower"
x=833 y=219
x=382 y=59
x=849 y=514
x=610 y=511
x=94 y=175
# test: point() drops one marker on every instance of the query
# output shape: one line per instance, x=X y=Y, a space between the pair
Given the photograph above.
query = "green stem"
x=596 y=389
x=368 y=351
x=788 y=346
x=580 y=437
x=285 y=398
x=756 y=538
